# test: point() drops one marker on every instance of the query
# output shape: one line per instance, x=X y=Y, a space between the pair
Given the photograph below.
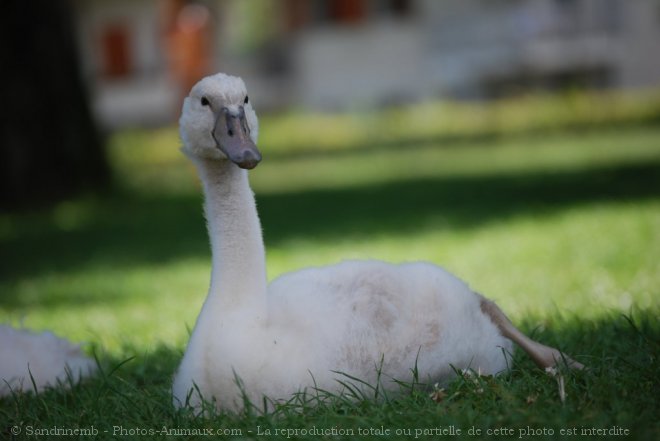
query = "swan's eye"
x=205 y=101
x=245 y=101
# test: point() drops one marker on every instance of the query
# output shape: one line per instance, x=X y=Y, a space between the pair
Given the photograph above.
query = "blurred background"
x=105 y=66
x=140 y=57
x=463 y=132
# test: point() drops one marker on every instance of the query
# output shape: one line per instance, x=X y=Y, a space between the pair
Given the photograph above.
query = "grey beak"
x=232 y=136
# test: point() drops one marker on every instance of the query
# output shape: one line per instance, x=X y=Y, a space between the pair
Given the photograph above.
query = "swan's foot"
x=548 y=357
x=544 y=356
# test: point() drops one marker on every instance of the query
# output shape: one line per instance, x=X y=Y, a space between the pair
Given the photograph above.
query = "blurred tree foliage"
x=50 y=147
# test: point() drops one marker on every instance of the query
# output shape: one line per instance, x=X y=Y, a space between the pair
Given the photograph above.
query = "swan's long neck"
x=238 y=278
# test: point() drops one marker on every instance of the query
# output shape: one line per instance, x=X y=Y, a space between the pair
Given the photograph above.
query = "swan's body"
x=343 y=318
x=44 y=358
x=363 y=319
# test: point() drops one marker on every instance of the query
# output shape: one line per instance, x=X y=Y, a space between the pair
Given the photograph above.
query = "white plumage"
x=307 y=326
x=43 y=357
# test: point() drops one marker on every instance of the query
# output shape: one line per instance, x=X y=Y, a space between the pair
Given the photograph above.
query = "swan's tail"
x=30 y=361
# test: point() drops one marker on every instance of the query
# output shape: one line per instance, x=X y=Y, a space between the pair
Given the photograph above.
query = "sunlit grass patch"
x=299 y=132
x=540 y=154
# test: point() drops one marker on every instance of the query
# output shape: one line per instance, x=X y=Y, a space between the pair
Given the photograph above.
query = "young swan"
x=30 y=360
x=371 y=320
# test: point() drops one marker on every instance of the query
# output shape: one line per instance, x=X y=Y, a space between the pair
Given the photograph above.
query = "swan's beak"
x=232 y=136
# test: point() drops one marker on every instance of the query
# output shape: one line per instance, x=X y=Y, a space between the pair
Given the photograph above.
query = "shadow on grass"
x=453 y=203
x=120 y=230
x=126 y=230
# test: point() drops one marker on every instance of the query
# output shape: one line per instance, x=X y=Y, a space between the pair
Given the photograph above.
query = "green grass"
x=561 y=227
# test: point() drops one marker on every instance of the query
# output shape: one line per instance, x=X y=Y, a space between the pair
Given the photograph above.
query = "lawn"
x=560 y=225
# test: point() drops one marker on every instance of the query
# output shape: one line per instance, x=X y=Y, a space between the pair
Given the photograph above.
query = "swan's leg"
x=544 y=356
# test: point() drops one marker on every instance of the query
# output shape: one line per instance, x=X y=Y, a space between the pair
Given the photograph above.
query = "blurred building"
x=141 y=56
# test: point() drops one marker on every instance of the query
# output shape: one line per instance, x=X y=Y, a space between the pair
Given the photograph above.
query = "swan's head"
x=218 y=122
